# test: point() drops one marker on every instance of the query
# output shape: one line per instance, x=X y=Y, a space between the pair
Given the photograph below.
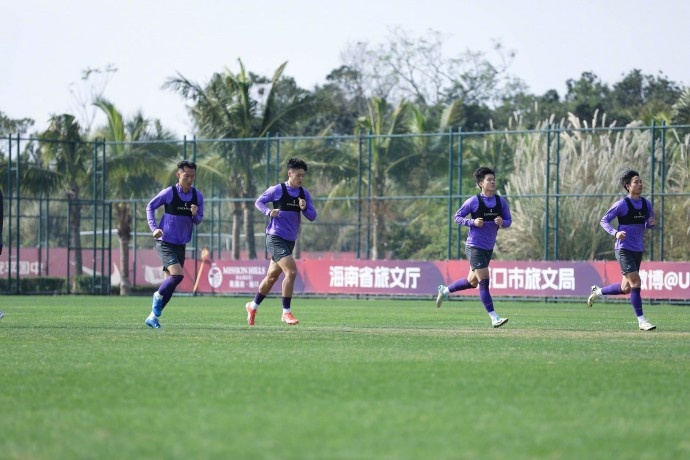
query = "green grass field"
x=82 y=377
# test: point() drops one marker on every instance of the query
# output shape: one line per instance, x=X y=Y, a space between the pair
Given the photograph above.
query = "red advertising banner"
x=660 y=280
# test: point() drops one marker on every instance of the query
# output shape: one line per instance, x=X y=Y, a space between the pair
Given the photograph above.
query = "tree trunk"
x=236 y=228
x=249 y=209
x=378 y=212
x=124 y=232
x=75 y=229
x=379 y=234
x=125 y=285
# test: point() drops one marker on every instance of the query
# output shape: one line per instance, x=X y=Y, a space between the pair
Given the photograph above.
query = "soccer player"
x=484 y=214
x=634 y=214
x=2 y=218
x=290 y=201
x=184 y=208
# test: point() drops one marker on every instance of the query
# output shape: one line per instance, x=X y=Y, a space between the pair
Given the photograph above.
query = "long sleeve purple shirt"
x=286 y=223
x=483 y=237
x=176 y=229
x=634 y=234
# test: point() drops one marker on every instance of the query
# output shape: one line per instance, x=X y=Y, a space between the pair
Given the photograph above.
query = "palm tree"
x=66 y=162
x=241 y=106
x=132 y=168
x=389 y=156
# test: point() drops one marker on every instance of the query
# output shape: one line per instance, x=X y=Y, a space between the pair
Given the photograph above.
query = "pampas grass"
x=583 y=183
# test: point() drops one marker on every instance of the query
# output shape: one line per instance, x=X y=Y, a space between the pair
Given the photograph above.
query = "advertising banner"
x=660 y=280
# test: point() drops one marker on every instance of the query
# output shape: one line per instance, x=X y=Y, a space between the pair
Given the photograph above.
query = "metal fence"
x=378 y=197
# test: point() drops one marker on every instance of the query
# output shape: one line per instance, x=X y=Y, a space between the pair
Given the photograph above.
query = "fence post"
x=461 y=138
x=369 y=159
x=358 y=232
x=662 y=198
x=652 y=182
x=546 y=192
x=450 y=193
x=557 y=192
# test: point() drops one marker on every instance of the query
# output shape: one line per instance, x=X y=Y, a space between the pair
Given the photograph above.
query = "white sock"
x=253 y=305
x=599 y=294
x=446 y=291
x=641 y=319
x=286 y=310
x=493 y=315
x=157 y=296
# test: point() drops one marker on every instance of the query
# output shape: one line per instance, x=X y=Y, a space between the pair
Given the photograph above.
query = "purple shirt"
x=634 y=233
x=176 y=229
x=483 y=237
x=286 y=223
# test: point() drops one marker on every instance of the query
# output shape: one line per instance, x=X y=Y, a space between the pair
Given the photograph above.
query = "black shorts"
x=478 y=257
x=279 y=247
x=629 y=261
x=170 y=253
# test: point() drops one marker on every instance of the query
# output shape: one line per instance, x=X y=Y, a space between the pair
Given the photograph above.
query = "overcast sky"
x=45 y=44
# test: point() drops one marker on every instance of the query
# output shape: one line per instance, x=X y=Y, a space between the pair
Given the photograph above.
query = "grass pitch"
x=83 y=377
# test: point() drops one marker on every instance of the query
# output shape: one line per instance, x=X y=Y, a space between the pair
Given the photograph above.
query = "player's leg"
x=484 y=278
x=166 y=290
x=458 y=285
x=479 y=261
x=469 y=282
x=597 y=292
x=272 y=275
x=289 y=268
x=265 y=286
x=633 y=284
x=172 y=256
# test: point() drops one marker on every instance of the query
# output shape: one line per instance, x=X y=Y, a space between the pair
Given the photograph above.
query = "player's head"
x=186 y=164
x=186 y=173
x=296 y=163
x=481 y=173
x=626 y=177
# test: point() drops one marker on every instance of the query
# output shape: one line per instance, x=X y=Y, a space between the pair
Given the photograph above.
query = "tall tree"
x=340 y=102
x=415 y=69
x=14 y=126
x=643 y=97
x=66 y=166
x=587 y=97
x=388 y=156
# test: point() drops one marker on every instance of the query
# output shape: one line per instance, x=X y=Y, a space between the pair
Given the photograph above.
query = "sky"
x=46 y=44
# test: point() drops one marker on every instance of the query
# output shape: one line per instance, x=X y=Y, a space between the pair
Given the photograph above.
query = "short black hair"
x=296 y=163
x=186 y=164
x=626 y=176
x=481 y=172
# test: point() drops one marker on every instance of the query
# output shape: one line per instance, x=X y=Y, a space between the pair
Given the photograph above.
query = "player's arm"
x=309 y=212
x=263 y=201
x=159 y=200
x=199 y=216
x=506 y=217
x=650 y=223
x=468 y=207
x=619 y=208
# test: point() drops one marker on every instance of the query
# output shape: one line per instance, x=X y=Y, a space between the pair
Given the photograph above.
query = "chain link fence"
x=72 y=208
